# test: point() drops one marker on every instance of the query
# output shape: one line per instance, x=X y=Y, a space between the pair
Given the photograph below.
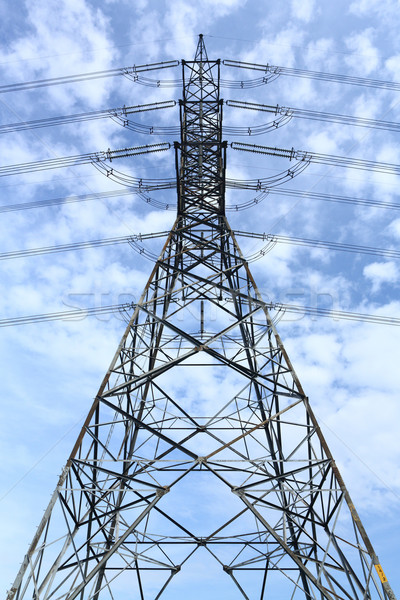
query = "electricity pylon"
x=131 y=511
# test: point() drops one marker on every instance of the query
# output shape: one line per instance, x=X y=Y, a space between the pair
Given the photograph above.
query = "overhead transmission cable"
x=297 y=241
x=129 y=191
x=118 y=114
x=333 y=198
x=66 y=200
x=271 y=240
x=80 y=159
x=130 y=72
x=270 y=72
x=314 y=157
x=285 y=114
x=302 y=158
x=123 y=309
x=335 y=314
x=66 y=315
x=126 y=239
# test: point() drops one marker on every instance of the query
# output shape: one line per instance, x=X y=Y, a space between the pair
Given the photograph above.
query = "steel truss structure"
x=165 y=472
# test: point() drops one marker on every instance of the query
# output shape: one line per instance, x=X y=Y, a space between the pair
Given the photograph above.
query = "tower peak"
x=201 y=52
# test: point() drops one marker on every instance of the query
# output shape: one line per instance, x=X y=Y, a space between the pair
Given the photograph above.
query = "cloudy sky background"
x=51 y=371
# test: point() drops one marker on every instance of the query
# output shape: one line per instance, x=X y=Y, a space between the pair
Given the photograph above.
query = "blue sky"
x=52 y=371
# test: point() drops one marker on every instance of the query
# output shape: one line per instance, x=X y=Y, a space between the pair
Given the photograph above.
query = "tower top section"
x=201 y=52
x=201 y=165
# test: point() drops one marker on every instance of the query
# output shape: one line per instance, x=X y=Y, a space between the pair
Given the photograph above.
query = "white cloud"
x=276 y=48
x=379 y=273
x=304 y=9
x=173 y=29
x=320 y=53
x=384 y=9
x=394 y=228
x=39 y=57
x=365 y=55
x=392 y=65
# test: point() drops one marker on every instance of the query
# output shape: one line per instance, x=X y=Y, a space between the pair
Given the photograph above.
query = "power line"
x=334 y=198
x=118 y=114
x=270 y=70
x=336 y=246
x=284 y=114
x=126 y=71
x=66 y=200
x=302 y=157
x=281 y=308
x=66 y=315
x=128 y=192
x=81 y=159
x=272 y=239
x=81 y=245
x=323 y=159
x=336 y=314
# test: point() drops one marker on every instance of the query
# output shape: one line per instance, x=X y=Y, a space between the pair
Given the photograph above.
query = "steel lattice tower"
x=114 y=527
